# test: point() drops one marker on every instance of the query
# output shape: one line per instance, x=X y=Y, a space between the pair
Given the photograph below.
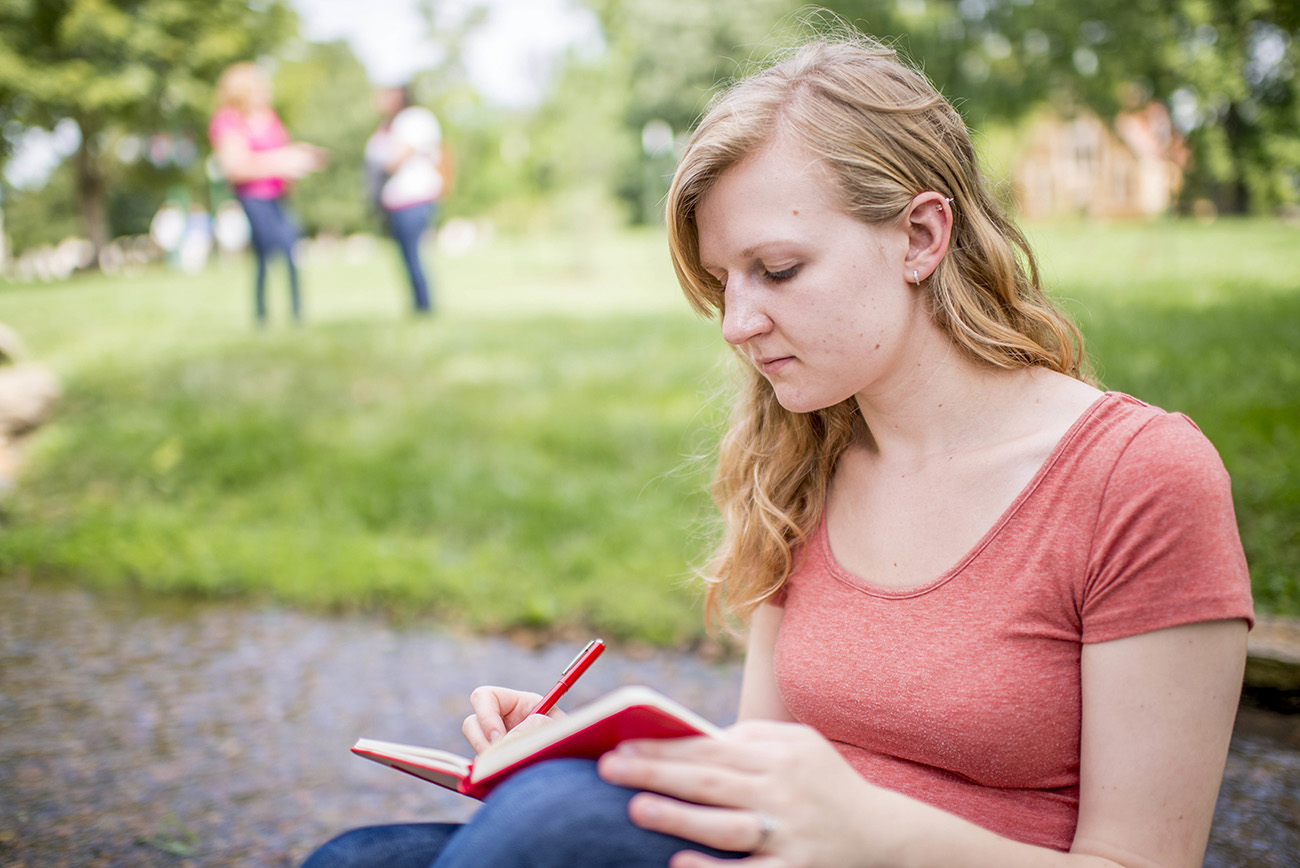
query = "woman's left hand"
x=778 y=790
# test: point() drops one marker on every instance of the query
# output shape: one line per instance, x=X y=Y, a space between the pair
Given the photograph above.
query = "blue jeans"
x=558 y=814
x=407 y=226
x=271 y=232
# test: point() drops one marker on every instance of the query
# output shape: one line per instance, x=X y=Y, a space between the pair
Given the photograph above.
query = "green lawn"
x=536 y=455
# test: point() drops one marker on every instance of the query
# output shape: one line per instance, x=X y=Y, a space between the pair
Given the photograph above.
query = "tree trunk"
x=1236 y=193
x=91 y=191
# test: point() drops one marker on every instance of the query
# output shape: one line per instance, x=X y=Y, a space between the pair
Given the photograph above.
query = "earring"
x=939 y=205
x=916 y=276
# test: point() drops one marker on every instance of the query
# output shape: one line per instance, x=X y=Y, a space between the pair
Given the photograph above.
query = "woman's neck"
x=955 y=404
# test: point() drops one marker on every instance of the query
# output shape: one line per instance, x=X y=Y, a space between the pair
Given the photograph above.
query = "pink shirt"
x=965 y=692
x=265 y=132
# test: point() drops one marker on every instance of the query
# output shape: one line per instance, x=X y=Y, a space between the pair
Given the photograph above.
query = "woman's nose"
x=742 y=315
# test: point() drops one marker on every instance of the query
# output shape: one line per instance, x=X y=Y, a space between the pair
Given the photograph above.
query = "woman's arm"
x=446 y=168
x=1157 y=718
x=241 y=164
x=760 y=698
x=398 y=152
x=1158 y=711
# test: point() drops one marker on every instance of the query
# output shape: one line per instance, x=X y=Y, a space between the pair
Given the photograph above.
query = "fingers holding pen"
x=497 y=710
x=485 y=725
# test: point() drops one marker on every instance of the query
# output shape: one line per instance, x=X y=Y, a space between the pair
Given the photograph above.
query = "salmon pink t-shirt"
x=965 y=692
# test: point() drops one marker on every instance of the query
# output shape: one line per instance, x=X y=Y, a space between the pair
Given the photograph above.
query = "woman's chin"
x=800 y=403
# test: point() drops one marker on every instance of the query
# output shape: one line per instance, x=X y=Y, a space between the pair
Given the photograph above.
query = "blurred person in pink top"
x=260 y=161
x=996 y=617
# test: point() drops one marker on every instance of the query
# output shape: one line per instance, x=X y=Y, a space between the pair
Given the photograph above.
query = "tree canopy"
x=124 y=69
x=1224 y=68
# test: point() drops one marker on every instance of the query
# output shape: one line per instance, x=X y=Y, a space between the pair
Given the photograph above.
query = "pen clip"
x=574 y=662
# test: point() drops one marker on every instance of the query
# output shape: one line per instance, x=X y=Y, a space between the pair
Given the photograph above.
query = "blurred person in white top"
x=408 y=172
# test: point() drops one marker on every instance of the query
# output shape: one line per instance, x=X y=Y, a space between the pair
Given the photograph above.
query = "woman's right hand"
x=497 y=711
x=301 y=159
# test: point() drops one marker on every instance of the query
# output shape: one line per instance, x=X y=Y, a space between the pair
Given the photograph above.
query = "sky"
x=508 y=59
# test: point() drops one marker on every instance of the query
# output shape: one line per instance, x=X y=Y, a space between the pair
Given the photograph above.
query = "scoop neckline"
x=836 y=569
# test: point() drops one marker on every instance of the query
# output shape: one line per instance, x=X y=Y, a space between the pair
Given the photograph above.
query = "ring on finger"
x=766 y=826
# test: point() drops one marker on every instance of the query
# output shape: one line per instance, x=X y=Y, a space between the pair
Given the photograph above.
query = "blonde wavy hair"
x=886 y=135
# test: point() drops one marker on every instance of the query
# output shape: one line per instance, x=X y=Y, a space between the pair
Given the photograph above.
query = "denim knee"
x=558 y=814
x=563 y=798
x=410 y=845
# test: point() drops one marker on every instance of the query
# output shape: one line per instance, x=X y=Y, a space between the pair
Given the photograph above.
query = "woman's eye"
x=783 y=274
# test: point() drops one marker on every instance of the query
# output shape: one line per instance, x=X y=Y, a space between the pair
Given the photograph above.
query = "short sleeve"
x=1166 y=550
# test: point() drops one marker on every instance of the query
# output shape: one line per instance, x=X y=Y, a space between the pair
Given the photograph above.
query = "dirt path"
x=134 y=733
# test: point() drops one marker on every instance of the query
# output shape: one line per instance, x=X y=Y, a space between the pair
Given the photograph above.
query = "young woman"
x=996 y=617
x=255 y=154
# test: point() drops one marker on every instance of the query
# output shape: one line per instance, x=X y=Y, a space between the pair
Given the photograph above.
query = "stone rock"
x=1273 y=661
x=28 y=394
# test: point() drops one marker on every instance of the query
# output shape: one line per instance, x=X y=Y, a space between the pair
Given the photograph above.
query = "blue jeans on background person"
x=271 y=231
x=407 y=226
x=557 y=814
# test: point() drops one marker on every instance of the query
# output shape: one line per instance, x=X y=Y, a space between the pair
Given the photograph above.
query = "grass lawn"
x=536 y=454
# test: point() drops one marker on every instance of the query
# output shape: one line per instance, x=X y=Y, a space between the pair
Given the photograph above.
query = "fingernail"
x=493 y=735
x=646 y=808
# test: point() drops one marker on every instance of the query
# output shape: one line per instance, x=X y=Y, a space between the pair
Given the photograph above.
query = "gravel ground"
x=138 y=733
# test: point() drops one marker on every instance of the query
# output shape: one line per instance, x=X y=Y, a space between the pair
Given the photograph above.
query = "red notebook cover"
x=635 y=721
x=638 y=712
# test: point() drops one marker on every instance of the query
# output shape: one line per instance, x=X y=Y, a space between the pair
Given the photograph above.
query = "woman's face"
x=389 y=101
x=817 y=300
x=259 y=91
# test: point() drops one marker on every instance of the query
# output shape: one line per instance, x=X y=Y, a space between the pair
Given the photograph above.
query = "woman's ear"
x=929 y=229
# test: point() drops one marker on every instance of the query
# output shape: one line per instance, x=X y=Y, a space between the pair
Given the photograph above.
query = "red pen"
x=571 y=673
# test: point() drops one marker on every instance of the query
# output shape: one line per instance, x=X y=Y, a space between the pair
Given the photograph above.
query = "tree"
x=33 y=218
x=1224 y=68
x=662 y=62
x=124 y=69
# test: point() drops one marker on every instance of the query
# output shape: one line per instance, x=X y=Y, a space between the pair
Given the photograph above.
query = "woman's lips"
x=772 y=364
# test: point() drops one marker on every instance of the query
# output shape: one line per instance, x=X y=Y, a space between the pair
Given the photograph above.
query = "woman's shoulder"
x=1149 y=446
x=1144 y=422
